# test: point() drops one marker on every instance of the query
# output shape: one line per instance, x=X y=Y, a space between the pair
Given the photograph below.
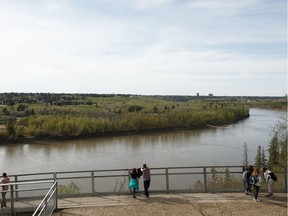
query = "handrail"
x=46 y=199
x=99 y=181
x=12 y=190
x=29 y=182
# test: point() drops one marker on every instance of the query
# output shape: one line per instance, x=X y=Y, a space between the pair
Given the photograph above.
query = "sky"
x=144 y=47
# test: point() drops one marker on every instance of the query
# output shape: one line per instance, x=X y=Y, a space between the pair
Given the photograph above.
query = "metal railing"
x=49 y=202
x=166 y=179
x=201 y=179
x=32 y=187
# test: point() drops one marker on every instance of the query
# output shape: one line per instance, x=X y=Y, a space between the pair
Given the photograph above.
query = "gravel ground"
x=172 y=206
x=179 y=209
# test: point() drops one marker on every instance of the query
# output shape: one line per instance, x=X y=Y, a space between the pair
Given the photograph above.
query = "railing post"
x=167 y=180
x=205 y=179
x=56 y=196
x=93 y=183
x=16 y=189
x=12 y=199
x=55 y=176
x=286 y=180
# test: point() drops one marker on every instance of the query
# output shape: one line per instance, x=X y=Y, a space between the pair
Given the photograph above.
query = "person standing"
x=248 y=175
x=146 y=179
x=244 y=178
x=268 y=176
x=133 y=184
x=5 y=180
x=256 y=182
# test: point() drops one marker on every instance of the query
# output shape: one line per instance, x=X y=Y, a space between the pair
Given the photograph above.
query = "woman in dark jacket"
x=133 y=184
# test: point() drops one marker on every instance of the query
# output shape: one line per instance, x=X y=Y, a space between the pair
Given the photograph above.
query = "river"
x=212 y=146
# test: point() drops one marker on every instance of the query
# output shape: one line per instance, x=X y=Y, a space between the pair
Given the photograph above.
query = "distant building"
x=198 y=94
x=210 y=95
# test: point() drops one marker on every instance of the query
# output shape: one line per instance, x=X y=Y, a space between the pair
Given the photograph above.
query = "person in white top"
x=268 y=178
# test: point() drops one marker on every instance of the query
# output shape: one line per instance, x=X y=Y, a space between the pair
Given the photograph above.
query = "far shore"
x=115 y=133
x=110 y=134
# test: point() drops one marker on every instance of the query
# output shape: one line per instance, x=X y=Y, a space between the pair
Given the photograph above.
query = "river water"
x=212 y=146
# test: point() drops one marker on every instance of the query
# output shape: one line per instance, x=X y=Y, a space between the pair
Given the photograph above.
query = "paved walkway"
x=280 y=199
x=182 y=204
x=179 y=198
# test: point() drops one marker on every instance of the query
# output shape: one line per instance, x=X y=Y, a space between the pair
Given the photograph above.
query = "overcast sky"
x=146 y=47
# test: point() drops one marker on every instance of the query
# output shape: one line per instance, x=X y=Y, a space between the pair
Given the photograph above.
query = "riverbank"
x=110 y=116
x=108 y=134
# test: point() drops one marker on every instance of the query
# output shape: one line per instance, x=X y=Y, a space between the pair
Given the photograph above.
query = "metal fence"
x=17 y=189
x=49 y=202
x=201 y=179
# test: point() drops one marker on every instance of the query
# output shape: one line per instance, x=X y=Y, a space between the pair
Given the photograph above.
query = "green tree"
x=274 y=150
x=245 y=155
x=278 y=144
x=283 y=153
x=258 y=158
x=10 y=125
x=263 y=158
x=281 y=129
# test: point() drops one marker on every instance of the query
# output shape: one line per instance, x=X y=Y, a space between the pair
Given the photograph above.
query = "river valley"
x=200 y=147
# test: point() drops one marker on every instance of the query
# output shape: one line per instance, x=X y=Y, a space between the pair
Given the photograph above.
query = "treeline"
x=59 y=99
x=115 y=114
x=279 y=104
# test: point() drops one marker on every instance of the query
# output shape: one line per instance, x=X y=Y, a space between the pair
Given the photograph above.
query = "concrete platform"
x=181 y=198
x=279 y=199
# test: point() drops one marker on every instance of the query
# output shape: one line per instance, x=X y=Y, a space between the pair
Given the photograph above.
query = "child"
x=256 y=180
x=133 y=184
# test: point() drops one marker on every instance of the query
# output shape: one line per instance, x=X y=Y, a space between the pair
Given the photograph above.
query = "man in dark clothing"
x=248 y=175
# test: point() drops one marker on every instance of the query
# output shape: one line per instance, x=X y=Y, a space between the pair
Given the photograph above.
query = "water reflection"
x=218 y=146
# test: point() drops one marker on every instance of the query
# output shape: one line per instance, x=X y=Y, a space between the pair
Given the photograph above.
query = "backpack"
x=139 y=172
x=273 y=176
x=253 y=180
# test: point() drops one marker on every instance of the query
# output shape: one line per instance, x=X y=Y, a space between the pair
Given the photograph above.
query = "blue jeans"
x=146 y=187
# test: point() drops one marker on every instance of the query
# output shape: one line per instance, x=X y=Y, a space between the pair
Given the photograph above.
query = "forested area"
x=277 y=148
x=43 y=115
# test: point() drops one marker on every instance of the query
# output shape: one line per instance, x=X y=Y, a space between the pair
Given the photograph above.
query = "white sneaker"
x=256 y=200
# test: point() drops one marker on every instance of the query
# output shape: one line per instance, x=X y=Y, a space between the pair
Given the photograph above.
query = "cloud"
x=143 y=47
